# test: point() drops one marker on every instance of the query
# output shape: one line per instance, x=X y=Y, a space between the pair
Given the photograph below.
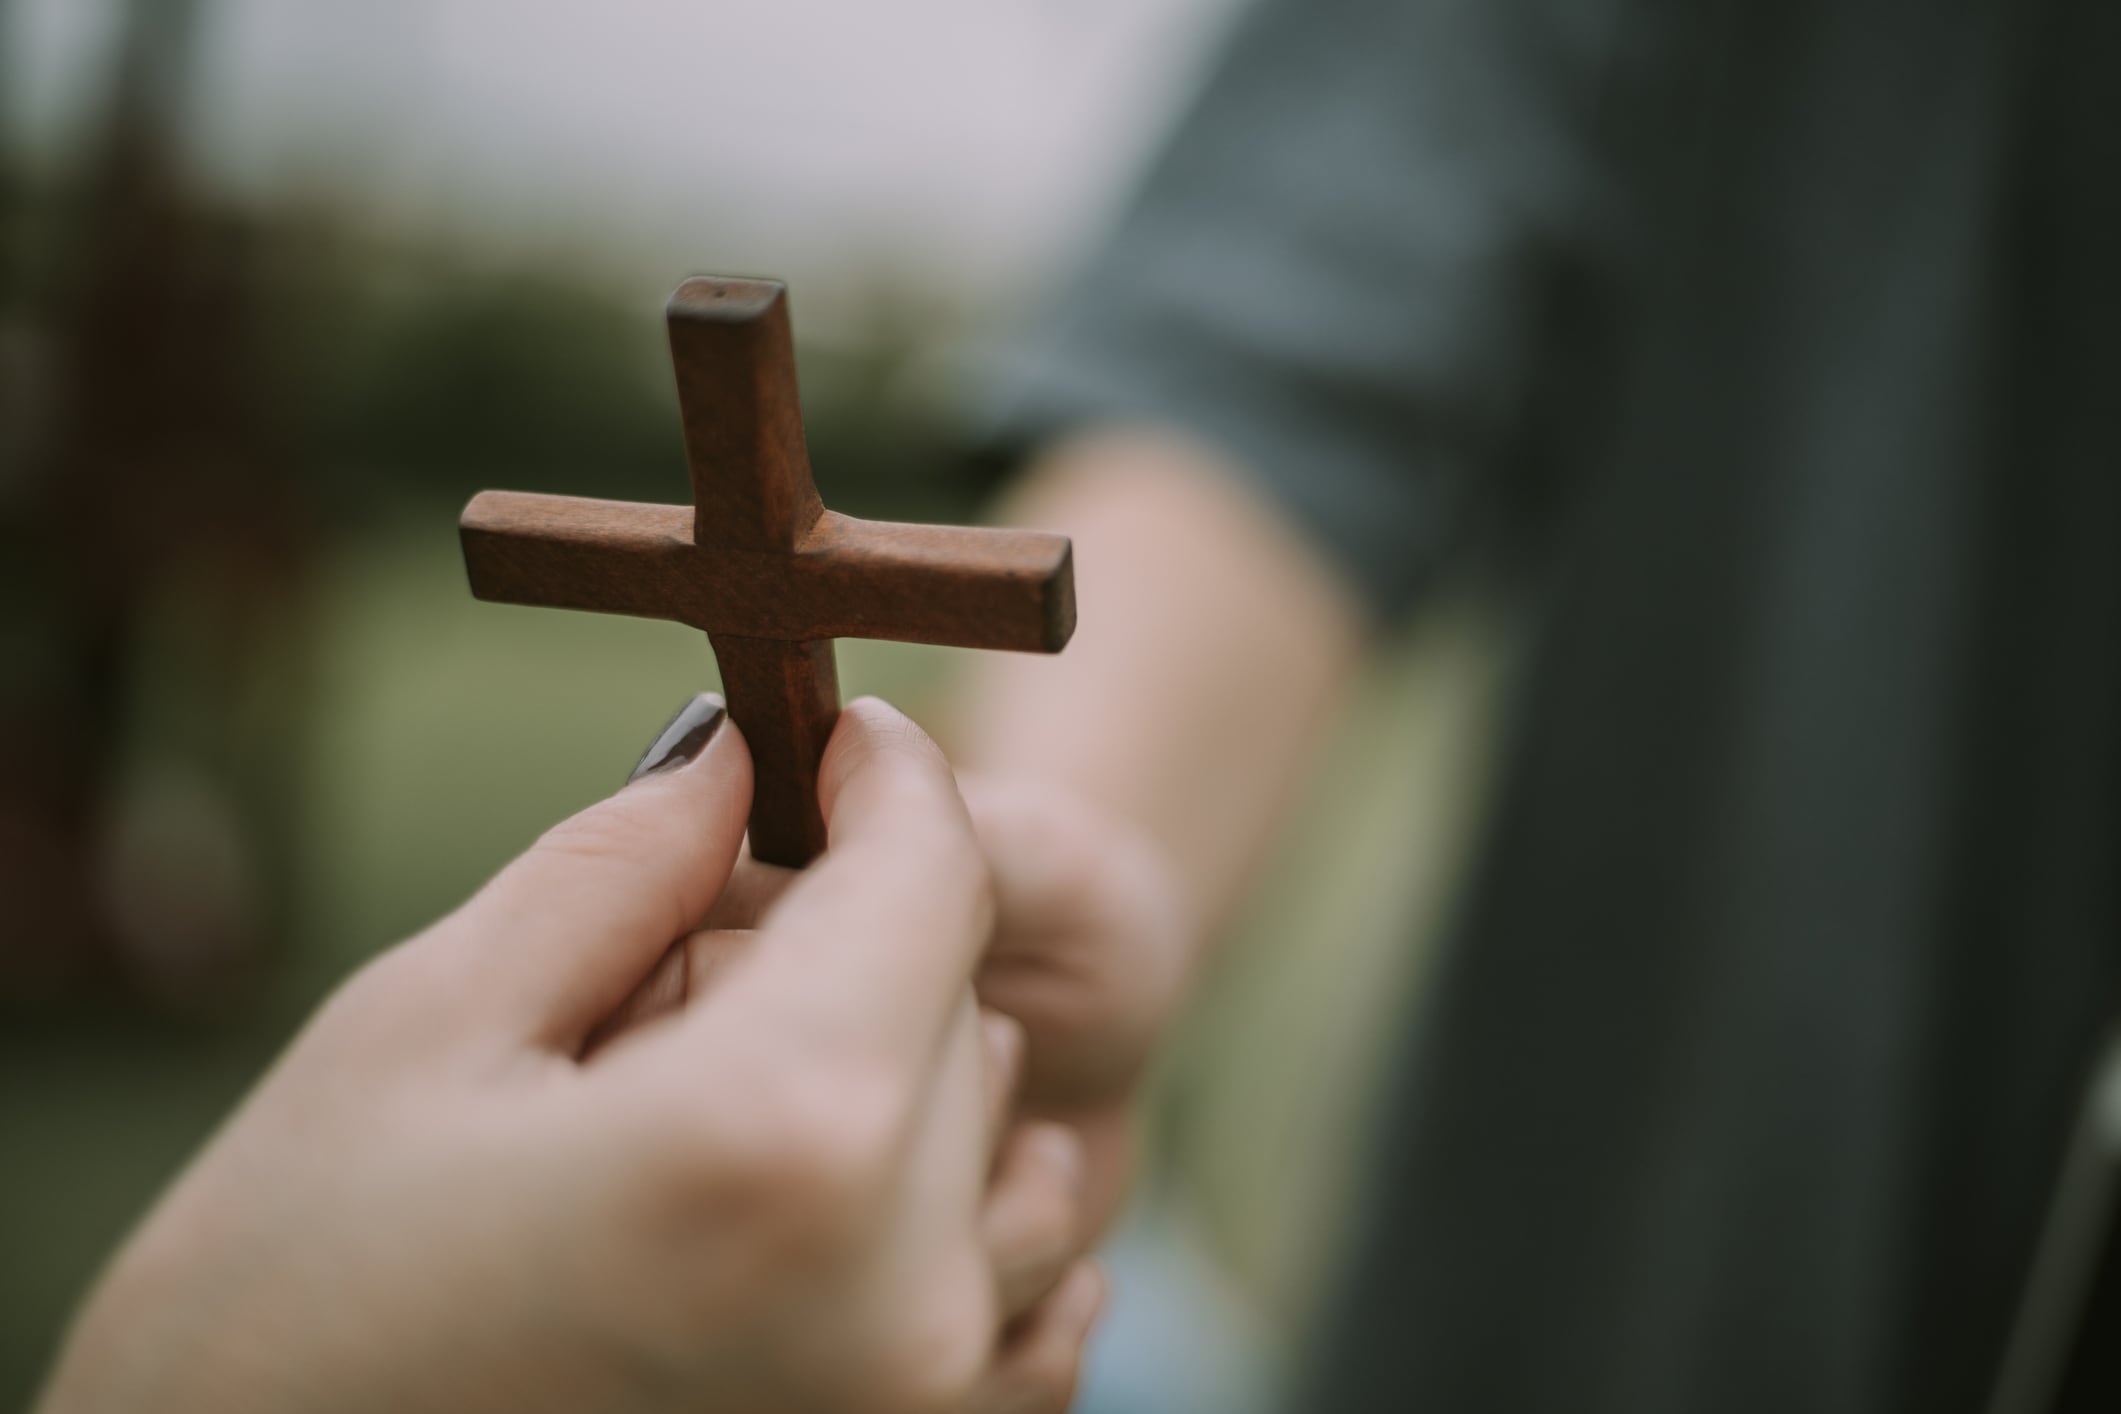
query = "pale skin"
x=509 y=1166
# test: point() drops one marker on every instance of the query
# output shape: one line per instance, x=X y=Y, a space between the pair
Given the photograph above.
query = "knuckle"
x=1047 y=1374
x=943 y=1346
x=389 y=1006
x=893 y=730
x=615 y=829
x=812 y=1161
x=981 y=921
x=880 y=740
x=876 y=736
x=1050 y=1224
x=952 y=866
x=952 y=853
x=377 y=982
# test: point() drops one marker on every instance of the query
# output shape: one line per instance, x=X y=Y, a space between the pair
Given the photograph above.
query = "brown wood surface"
x=760 y=565
x=848 y=578
x=785 y=697
x=735 y=360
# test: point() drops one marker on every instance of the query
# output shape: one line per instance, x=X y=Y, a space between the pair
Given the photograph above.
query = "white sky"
x=965 y=145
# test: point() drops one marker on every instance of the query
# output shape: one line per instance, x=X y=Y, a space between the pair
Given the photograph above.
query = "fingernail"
x=686 y=736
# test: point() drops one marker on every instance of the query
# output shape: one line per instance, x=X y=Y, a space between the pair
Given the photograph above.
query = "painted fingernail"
x=686 y=736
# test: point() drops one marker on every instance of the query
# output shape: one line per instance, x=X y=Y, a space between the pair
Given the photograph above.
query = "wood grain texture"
x=760 y=565
x=735 y=360
x=785 y=698
x=951 y=585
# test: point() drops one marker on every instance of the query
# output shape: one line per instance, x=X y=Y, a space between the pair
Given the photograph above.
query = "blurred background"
x=282 y=283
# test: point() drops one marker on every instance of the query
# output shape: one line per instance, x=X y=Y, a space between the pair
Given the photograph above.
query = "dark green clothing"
x=1774 y=344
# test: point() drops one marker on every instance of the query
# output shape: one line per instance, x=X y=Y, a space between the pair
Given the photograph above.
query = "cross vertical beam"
x=743 y=418
x=785 y=697
x=734 y=354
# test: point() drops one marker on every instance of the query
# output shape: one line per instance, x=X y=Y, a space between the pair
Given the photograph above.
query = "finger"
x=753 y=888
x=563 y=934
x=1003 y=1041
x=687 y=969
x=1032 y=1224
x=873 y=948
x=1091 y=948
x=1041 y=1362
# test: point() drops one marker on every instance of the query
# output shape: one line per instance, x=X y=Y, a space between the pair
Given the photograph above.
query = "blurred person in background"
x=1763 y=352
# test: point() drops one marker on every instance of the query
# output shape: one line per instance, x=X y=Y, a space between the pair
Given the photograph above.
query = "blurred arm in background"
x=1271 y=409
x=1214 y=649
x=1126 y=790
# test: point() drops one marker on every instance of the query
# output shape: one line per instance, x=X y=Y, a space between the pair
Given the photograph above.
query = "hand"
x=1093 y=954
x=463 y=1188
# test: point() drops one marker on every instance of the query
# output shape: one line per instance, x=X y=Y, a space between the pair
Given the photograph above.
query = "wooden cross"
x=759 y=563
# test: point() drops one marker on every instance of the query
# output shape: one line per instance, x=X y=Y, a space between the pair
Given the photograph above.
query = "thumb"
x=565 y=932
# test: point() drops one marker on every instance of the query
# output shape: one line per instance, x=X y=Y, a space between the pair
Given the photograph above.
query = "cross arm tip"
x=954 y=585
x=1057 y=598
x=485 y=518
x=484 y=510
x=723 y=299
x=572 y=552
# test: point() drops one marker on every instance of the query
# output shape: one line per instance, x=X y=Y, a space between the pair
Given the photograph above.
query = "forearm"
x=1213 y=650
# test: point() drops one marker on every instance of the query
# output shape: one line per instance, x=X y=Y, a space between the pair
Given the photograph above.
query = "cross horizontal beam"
x=845 y=578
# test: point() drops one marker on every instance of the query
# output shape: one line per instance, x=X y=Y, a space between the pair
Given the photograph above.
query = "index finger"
x=874 y=945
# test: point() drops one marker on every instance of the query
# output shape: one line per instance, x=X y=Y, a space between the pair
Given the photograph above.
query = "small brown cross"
x=759 y=563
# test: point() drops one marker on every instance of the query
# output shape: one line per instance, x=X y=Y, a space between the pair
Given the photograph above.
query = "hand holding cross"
x=760 y=565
